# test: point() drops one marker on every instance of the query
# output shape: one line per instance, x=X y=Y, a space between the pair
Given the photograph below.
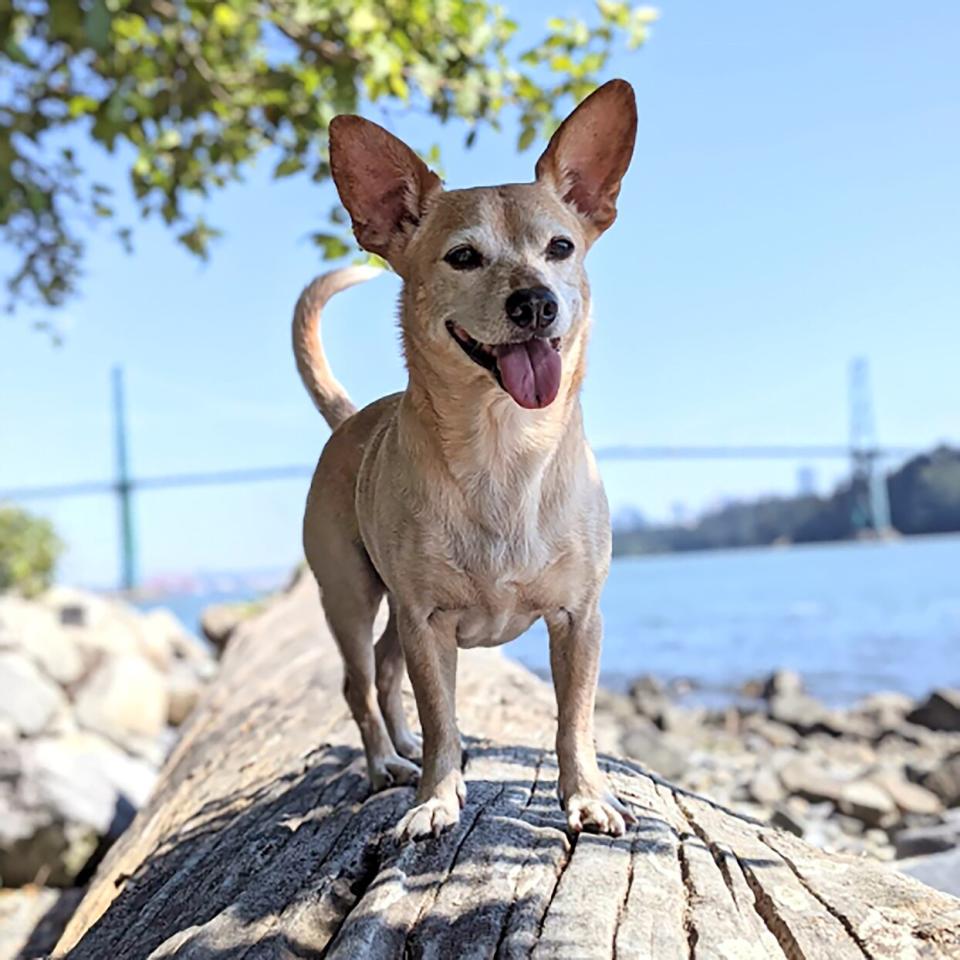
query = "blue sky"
x=793 y=202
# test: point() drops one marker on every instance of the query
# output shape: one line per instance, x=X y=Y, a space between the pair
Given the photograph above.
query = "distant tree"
x=925 y=493
x=29 y=549
x=187 y=93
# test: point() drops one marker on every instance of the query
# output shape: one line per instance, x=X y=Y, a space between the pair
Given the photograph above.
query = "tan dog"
x=471 y=499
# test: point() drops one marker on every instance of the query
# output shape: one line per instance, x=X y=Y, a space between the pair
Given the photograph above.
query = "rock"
x=35 y=631
x=53 y=854
x=83 y=777
x=673 y=719
x=940 y=711
x=796 y=710
x=916 y=841
x=166 y=639
x=65 y=795
x=774 y=733
x=617 y=705
x=939 y=870
x=787 y=819
x=867 y=802
x=183 y=692
x=782 y=683
x=765 y=787
x=648 y=684
x=649 y=696
x=944 y=780
x=884 y=711
x=654 y=750
x=100 y=627
x=30 y=702
x=850 y=825
x=803 y=777
x=220 y=620
x=909 y=797
x=32 y=919
x=126 y=700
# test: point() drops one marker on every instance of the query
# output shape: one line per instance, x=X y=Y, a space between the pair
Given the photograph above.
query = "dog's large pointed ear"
x=590 y=152
x=383 y=184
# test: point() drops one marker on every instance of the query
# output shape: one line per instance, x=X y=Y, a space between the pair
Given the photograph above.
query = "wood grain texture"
x=263 y=841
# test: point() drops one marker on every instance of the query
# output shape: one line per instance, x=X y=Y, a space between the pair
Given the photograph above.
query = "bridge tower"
x=870 y=501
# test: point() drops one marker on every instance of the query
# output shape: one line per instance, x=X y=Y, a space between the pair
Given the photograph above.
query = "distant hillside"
x=924 y=498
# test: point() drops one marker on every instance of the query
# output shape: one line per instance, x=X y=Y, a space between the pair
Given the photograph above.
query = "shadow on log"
x=263 y=841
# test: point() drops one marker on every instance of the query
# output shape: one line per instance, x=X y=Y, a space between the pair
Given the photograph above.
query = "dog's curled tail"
x=325 y=390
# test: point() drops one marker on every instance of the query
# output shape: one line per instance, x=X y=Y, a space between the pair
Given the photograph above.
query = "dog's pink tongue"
x=530 y=372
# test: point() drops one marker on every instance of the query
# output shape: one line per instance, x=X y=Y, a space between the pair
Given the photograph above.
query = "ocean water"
x=853 y=618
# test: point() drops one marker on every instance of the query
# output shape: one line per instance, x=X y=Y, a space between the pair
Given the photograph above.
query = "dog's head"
x=495 y=275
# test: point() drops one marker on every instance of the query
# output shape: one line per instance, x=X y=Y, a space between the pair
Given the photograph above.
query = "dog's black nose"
x=534 y=307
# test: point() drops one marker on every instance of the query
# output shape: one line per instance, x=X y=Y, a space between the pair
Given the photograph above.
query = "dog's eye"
x=464 y=258
x=559 y=248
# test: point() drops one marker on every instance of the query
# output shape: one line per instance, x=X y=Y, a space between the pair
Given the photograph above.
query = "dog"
x=471 y=499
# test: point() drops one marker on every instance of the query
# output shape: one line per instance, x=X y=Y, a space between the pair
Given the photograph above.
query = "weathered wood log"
x=263 y=841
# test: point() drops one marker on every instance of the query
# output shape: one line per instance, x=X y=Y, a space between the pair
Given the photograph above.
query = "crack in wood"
x=719 y=856
x=622 y=909
x=843 y=920
x=688 y=895
x=767 y=910
x=562 y=866
x=508 y=916
x=408 y=943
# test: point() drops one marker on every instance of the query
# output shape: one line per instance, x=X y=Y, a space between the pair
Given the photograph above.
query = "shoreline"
x=879 y=778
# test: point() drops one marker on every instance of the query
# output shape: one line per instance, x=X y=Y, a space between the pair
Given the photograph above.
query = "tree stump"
x=263 y=841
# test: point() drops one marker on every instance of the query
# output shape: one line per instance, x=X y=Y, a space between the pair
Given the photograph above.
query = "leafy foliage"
x=29 y=550
x=189 y=92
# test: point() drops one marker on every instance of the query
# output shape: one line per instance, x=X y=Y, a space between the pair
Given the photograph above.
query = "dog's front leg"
x=430 y=648
x=575 y=662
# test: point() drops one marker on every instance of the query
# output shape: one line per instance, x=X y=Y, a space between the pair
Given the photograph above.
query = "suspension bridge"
x=870 y=503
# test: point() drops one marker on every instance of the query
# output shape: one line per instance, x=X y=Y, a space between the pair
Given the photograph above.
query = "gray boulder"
x=60 y=798
x=30 y=701
x=944 y=780
x=939 y=870
x=126 y=700
x=940 y=711
x=654 y=749
x=916 y=841
x=34 y=631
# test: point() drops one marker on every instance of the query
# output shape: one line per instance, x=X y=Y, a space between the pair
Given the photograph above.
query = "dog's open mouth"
x=529 y=371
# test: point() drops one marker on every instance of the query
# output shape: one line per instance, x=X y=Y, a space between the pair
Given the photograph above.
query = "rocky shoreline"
x=880 y=779
x=93 y=693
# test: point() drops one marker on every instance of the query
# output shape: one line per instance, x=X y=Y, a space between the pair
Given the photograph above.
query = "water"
x=852 y=618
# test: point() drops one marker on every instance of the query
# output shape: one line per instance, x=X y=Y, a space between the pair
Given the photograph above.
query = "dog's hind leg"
x=390 y=670
x=351 y=598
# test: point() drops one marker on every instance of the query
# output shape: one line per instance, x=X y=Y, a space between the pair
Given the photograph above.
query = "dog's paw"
x=410 y=745
x=597 y=814
x=427 y=819
x=392 y=771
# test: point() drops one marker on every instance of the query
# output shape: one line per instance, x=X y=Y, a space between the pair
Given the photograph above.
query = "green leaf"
x=332 y=246
x=80 y=104
x=288 y=167
x=96 y=24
